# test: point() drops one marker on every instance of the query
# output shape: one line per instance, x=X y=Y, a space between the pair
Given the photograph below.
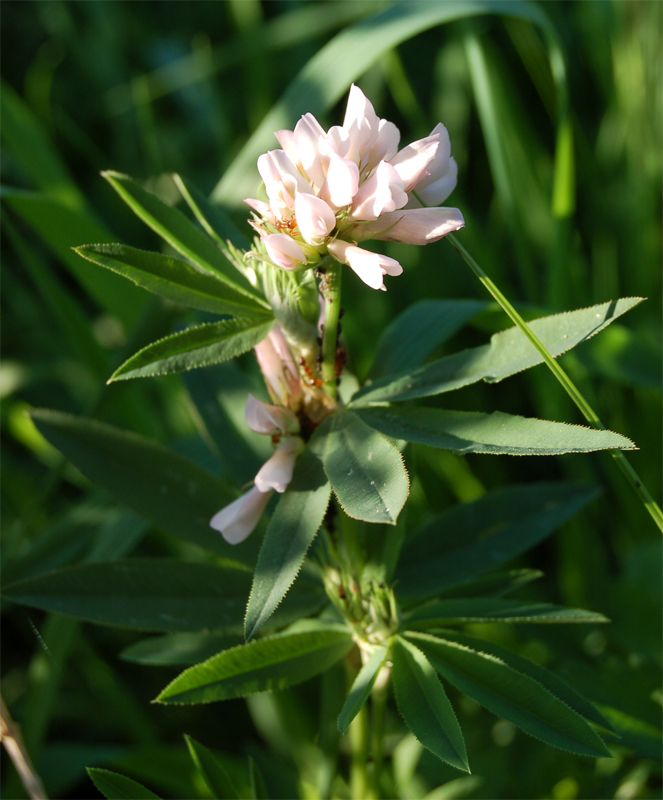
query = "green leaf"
x=114 y=786
x=473 y=538
x=489 y=609
x=62 y=228
x=567 y=694
x=361 y=688
x=413 y=335
x=168 y=489
x=173 y=279
x=496 y=433
x=508 y=353
x=511 y=695
x=179 y=232
x=262 y=665
x=212 y=771
x=212 y=219
x=178 y=649
x=195 y=347
x=424 y=705
x=257 y=782
x=495 y=585
x=150 y=594
x=326 y=77
x=296 y=520
x=366 y=471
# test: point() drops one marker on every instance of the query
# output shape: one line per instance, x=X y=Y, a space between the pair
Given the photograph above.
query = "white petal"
x=236 y=521
x=381 y=193
x=267 y=418
x=314 y=218
x=370 y=267
x=437 y=192
x=412 y=163
x=413 y=226
x=276 y=472
x=307 y=134
x=342 y=181
x=278 y=368
x=284 y=251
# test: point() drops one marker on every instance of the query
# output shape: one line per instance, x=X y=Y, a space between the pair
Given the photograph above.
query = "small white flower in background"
x=238 y=519
x=330 y=190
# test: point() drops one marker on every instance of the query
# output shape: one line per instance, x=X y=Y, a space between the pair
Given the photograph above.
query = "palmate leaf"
x=489 y=609
x=156 y=594
x=366 y=471
x=166 y=488
x=114 y=786
x=545 y=677
x=295 y=522
x=511 y=695
x=195 y=347
x=180 y=233
x=424 y=705
x=496 y=433
x=361 y=688
x=508 y=353
x=469 y=540
x=413 y=335
x=174 y=279
x=262 y=665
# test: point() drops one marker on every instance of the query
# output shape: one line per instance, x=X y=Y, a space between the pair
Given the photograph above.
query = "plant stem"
x=378 y=706
x=331 y=290
x=570 y=388
x=359 y=738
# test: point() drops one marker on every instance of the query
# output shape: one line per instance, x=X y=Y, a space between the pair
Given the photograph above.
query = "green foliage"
x=296 y=520
x=118 y=787
x=262 y=665
x=424 y=705
x=511 y=695
x=366 y=471
x=361 y=688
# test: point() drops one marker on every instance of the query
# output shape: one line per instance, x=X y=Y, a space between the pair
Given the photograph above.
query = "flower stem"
x=570 y=388
x=331 y=291
x=359 y=739
x=378 y=706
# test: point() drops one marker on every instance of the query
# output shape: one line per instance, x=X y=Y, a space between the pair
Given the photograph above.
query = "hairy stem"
x=570 y=388
x=331 y=291
x=359 y=744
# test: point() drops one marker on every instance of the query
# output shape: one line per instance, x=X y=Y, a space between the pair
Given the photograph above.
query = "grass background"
x=150 y=88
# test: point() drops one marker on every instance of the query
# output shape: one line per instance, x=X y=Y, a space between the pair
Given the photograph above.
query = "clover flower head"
x=330 y=190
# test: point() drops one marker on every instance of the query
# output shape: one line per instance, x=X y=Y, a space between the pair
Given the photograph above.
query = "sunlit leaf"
x=508 y=353
x=496 y=433
x=424 y=705
x=196 y=347
x=261 y=665
x=365 y=470
x=173 y=279
x=511 y=695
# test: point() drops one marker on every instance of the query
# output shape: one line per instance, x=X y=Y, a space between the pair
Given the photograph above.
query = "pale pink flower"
x=267 y=418
x=279 y=369
x=370 y=267
x=276 y=472
x=336 y=188
x=284 y=251
x=238 y=519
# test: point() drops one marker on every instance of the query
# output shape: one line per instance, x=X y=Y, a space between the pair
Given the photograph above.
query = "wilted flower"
x=329 y=190
x=236 y=520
